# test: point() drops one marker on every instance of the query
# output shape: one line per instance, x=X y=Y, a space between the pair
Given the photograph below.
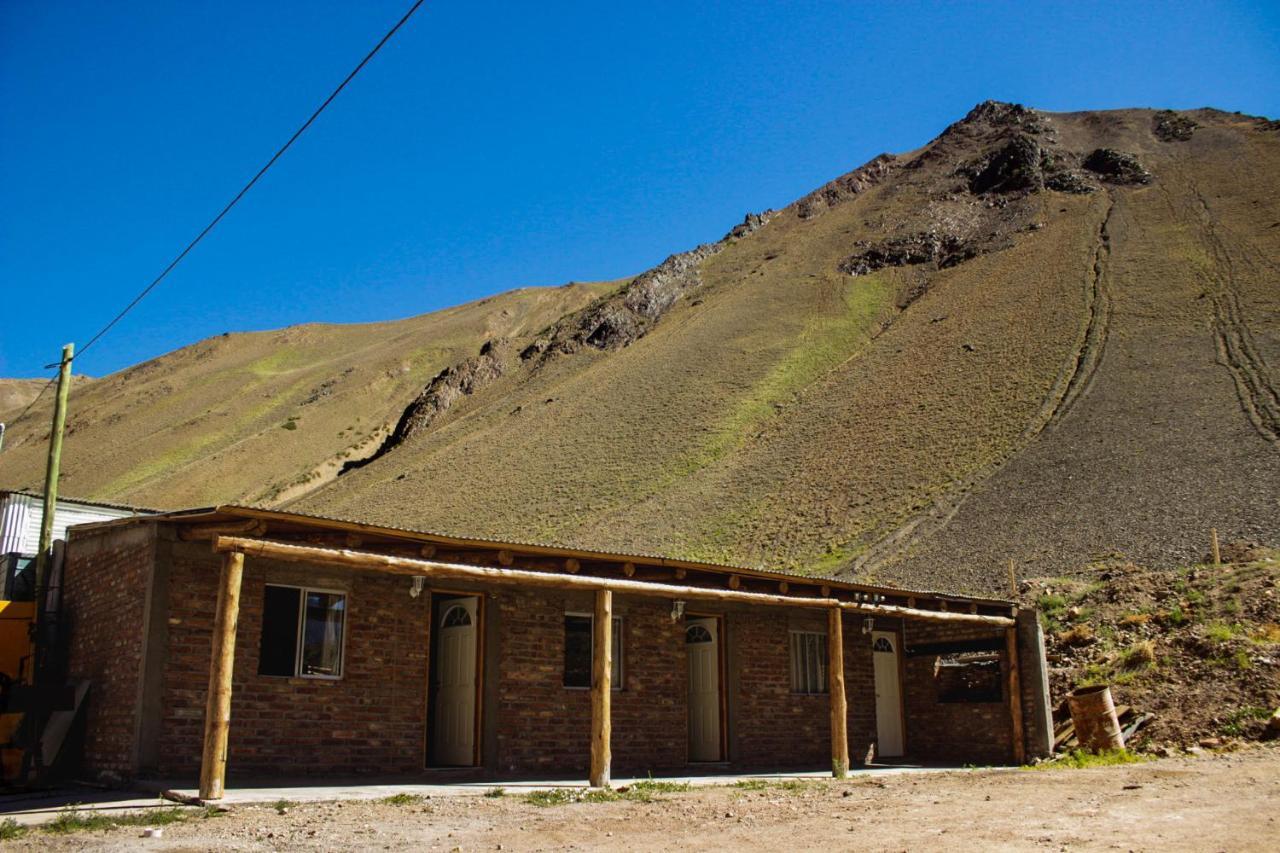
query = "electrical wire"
x=227 y=209
x=274 y=157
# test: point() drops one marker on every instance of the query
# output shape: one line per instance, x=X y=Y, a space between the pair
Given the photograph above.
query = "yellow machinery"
x=16 y=619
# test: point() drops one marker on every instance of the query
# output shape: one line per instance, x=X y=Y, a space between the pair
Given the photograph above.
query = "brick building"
x=277 y=644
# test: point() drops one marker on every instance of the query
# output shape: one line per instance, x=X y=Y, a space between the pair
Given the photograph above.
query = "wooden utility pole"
x=46 y=521
x=1213 y=544
x=601 y=689
x=217 y=715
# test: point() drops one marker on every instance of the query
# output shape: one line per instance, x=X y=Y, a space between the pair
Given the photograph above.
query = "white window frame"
x=616 y=683
x=808 y=678
x=302 y=627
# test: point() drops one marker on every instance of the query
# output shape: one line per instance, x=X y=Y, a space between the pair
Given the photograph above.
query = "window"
x=968 y=678
x=302 y=632
x=578 y=644
x=808 y=662
x=19 y=577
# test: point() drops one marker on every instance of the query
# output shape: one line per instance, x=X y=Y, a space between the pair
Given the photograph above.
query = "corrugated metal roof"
x=242 y=510
x=64 y=499
x=21 y=516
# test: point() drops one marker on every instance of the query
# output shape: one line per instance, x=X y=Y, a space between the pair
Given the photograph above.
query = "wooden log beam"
x=927 y=615
x=198 y=532
x=1015 y=697
x=217 y=715
x=367 y=561
x=835 y=686
x=601 y=689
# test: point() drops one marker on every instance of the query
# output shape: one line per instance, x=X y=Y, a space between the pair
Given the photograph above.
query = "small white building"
x=20 y=517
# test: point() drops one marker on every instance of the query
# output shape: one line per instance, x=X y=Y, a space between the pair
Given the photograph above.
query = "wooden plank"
x=368 y=561
x=217 y=716
x=1015 y=698
x=601 y=689
x=835 y=685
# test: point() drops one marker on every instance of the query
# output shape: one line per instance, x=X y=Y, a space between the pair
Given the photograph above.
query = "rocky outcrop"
x=1168 y=126
x=621 y=318
x=466 y=377
x=1015 y=167
x=846 y=186
x=929 y=247
x=1116 y=167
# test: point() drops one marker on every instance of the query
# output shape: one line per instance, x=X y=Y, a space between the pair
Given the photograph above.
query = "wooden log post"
x=217 y=715
x=1015 y=696
x=835 y=685
x=601 y=688
x=1213 y=546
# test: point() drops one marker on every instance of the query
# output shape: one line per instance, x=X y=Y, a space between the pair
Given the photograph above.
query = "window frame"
x=822 y=664
x=615 y=683
x=302 y=628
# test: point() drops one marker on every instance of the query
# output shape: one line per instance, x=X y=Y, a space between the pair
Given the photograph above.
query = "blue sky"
x=493 y=146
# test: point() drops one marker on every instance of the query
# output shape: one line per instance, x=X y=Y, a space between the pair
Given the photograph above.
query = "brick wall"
x=774 y=725
x=373 y=720
x=544 y=727
x=979 y=732
x=105 y=582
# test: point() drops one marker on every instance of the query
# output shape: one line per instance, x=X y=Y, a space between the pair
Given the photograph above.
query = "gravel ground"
x=1217 y=802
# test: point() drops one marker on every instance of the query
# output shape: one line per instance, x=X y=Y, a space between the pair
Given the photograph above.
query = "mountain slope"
x=944 y=330
x=258 y=416
x=1041 y=337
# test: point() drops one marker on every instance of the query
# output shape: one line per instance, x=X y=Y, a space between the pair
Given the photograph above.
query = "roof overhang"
x=205 y=523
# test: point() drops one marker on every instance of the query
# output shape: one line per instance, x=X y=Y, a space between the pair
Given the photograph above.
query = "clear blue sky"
x=493 y=146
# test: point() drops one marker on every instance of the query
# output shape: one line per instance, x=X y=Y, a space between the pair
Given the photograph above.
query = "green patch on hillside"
x=827 y=342
x=282 y=360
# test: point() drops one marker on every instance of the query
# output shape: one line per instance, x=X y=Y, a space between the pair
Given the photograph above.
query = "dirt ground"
x=1215 y=802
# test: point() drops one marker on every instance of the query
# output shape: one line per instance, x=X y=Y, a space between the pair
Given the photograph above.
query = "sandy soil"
x=1223 y=802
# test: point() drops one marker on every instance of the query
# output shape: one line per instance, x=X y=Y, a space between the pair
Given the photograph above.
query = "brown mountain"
x=1041 y=337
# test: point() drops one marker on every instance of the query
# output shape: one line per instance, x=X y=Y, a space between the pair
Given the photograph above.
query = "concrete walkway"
x=40 y=807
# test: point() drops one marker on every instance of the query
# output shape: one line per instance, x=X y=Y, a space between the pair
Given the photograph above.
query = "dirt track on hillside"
x=1224 y=802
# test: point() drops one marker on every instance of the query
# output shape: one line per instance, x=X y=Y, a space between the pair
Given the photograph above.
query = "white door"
x=453 y=741
x=702 y=642
x=884 y=652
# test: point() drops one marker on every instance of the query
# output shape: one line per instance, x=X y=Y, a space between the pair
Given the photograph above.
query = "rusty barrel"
x=1094 y=716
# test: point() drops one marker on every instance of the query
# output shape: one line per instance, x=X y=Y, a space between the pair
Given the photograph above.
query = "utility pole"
x=51 y=476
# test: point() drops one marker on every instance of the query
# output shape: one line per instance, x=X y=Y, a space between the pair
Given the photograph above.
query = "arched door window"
x=456 y=617
x=698 y=634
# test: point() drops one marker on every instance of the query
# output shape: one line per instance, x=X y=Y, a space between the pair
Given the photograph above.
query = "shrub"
x=1139 y=655
x=402 y=799
x=1078 y=635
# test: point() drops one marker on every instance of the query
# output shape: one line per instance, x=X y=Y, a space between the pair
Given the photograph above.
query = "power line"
x=227 y=209
x=32 y=404
x=177 y=260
